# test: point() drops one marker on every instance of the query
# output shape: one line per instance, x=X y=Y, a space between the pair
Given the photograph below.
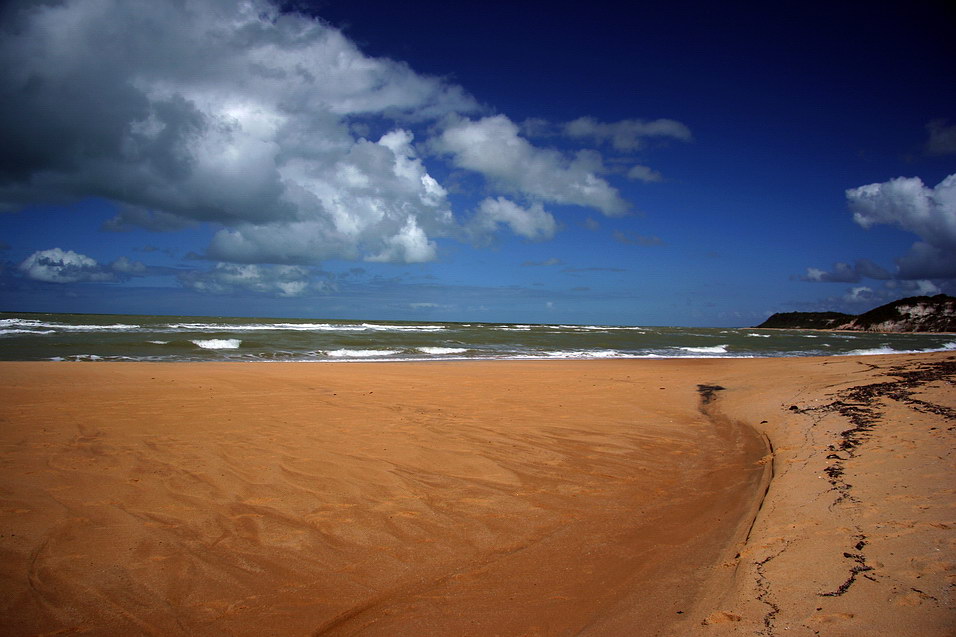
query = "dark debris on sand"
x=861 y=407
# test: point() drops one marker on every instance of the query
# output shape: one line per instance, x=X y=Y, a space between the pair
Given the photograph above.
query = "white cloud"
x=376 y=202
x=279 y=280
x=264 y=124
x=125 y=265
x=533 y=223
x=220 y=111
x=929 y=213
x=907 y=203
x=492 y=146
x=628 y=134
x=64 y=266
x=643 y=173
x=859 y=294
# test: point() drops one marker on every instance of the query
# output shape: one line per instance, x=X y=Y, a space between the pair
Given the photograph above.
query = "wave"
x=716 y=349
x=439 y=351
x=601 y=353
x=361 y=353
x=33 y=325
x=21 y=331
x=404 y=328
x=886 y=349
x=217 y=343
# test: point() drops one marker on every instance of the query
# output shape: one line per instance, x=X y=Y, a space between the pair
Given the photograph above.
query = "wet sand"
x=667 y=497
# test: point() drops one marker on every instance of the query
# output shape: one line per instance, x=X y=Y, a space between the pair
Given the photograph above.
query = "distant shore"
x=654 y=497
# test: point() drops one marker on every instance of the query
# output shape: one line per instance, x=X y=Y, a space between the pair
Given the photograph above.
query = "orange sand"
x=485 y=498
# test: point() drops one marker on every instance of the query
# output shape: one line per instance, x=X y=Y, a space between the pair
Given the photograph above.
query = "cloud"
x=860 y=294
x=225 y=112
x=492 y=147
x=942 y=138
x=926 y=261
x=628 y=134
x=930 y=213
x=915 y=288
x=276 y=130
x=846 y=273
x=545 y=263
x=645 y=174
x=64 y=266
x=277 y=280
x=532 y=223
x=909 y=204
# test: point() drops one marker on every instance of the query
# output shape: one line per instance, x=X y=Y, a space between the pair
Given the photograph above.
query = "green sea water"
x=92 y=337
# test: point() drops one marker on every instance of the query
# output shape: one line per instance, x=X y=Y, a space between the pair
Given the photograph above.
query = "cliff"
x=913 y=314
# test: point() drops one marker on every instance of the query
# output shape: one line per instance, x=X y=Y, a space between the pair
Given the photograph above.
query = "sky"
x=678 y=163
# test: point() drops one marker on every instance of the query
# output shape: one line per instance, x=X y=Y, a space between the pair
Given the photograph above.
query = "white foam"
x=599 y=328
x=19 y=331
x=716 y=349
x=360 y=353
x=217 y=343
x=33 y=323
x=886 y=349
x=759 y=335
x=403 y=328
x=442 y=350
x=594 y=353
x=159 y=342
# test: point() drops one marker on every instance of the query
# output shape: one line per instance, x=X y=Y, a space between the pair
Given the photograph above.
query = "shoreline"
x=564 y=487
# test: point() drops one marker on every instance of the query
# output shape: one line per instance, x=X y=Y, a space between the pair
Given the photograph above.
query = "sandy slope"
x=487 y=498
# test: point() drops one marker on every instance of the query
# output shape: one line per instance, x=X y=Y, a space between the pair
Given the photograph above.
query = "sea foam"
x=217 y=343
x=716 y=349
x=360 y=353
x=438 y=351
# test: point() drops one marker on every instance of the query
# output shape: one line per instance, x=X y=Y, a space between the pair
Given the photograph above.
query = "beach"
x=769 y=496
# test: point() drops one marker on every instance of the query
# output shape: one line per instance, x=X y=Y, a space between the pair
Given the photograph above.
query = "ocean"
x=101 y=337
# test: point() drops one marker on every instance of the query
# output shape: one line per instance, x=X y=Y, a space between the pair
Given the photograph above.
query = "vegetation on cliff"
x=913 y=314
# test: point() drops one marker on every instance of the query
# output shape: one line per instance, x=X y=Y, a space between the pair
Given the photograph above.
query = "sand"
x=666 y=497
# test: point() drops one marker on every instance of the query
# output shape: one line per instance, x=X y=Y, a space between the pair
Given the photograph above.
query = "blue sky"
x=667 y=163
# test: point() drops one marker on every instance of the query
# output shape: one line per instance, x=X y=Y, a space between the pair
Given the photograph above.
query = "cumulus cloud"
x=275 y=129
x=909 y=204
x=628 y=134
x=64 y=266
x=929 y=213
x=277 y=280
x=219 y=111
x=493 y=147
x=533 y=223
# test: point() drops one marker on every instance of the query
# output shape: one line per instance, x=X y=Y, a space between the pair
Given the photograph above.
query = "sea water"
x=98 y=337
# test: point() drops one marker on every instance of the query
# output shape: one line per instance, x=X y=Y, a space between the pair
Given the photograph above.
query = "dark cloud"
x=846 y=273
x=942 y=138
